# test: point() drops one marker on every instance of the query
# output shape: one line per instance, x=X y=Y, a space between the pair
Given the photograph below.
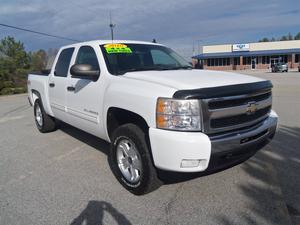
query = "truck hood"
x=191 y=79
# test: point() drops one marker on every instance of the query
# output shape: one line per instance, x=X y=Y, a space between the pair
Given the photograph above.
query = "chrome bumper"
x=248 y=139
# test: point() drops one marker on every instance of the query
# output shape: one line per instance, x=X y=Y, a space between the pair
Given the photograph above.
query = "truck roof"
x=101 y=42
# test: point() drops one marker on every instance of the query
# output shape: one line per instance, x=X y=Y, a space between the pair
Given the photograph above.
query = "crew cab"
x=157 y=113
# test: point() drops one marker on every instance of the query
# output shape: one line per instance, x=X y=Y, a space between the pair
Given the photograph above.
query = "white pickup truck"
x=156 y=111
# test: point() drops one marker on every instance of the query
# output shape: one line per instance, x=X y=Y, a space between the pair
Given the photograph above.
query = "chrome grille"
x=235 y=112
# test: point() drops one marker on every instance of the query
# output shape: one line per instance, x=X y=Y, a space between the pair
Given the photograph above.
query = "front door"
x=274 y=61
x=58 y=81
x=253 y=63
x=83 y=97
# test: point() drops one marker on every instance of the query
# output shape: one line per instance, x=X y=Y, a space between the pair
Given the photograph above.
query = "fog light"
x=187 y=163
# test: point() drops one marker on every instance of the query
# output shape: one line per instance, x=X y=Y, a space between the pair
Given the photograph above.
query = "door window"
x=87 y=55
x=63 y=62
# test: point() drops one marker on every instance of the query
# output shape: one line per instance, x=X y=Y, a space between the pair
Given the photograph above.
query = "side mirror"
x=84 y=71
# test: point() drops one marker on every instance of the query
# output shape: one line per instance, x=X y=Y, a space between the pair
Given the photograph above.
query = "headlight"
x=173 y=114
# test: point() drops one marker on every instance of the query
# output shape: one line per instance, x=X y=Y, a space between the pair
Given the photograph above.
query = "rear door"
x=84 y=95
x=58 y=81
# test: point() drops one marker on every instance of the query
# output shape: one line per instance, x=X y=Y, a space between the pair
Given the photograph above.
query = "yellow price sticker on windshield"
x=117 y=48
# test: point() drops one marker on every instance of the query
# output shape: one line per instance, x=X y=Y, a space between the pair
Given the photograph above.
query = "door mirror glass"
x=84 y=71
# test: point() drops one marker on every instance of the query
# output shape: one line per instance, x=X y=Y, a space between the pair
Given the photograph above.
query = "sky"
x=177 y=23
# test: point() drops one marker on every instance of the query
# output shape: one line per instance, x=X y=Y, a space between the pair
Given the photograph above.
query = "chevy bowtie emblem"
x=251 y=108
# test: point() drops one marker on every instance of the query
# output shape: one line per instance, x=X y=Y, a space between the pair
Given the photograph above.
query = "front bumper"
x=169 y=148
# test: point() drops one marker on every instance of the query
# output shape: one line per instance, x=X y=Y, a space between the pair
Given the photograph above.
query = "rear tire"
x=130 y=160
x=43 y=121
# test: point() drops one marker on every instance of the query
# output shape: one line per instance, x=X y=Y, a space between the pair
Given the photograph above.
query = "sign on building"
x=240 y=47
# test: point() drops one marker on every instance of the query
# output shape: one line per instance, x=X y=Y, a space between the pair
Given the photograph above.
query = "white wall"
x=260 y=46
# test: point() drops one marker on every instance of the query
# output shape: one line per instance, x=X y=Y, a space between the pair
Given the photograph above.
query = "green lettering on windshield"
x=117 y=48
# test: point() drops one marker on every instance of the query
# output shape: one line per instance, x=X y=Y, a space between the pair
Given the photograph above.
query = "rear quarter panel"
x=38 y=88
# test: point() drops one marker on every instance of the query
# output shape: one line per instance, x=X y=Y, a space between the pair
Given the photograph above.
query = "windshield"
x=123 y=58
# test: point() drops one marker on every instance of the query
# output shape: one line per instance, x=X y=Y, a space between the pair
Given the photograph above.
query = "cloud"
x=11 y=10
x=177 y=23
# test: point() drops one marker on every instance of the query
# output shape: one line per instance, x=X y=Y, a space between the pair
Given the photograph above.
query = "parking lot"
x=64 y=178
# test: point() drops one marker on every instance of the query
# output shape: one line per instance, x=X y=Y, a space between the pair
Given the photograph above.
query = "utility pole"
x=193 y=49
x=199 y=46
x=112 y=26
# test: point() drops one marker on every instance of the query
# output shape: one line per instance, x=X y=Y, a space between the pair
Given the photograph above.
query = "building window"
x=282 y=58
x=218 y=62
x=247 y=61
x=297 y=58
x=266 y=60
x=236 y=61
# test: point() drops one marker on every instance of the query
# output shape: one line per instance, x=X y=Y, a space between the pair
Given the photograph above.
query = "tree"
x=297 y=37
x=284 y=38
x=265 y=39
x=287 y=37
x=51 y=54
x=14 y=53
x=290 y=36
x=38 y=60
x=14 y=64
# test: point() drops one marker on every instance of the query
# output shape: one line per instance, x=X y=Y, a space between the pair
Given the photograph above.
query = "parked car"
x=155 y=110
x=280 y=67
x=299 y=68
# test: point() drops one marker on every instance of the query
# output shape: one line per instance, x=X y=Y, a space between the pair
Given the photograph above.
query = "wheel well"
x=117 y=117
x=35 y=95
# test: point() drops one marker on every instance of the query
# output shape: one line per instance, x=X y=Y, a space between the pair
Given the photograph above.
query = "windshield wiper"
x=159 y=68
x=142 y=69
x=181 y=68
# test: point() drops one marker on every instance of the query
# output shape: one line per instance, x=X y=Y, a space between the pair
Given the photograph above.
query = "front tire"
x=44 y=122
x=130 y=160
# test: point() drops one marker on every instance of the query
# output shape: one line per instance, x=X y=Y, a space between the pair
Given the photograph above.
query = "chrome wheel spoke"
x=136 y=164
x=124 y=149
x=134 y=173
x=39 y=115
x=124 y=163
x=129 y=160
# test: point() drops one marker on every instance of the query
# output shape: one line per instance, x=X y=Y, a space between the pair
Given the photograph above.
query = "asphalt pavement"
x=63 y=177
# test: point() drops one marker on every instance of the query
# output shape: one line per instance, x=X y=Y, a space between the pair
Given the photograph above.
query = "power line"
x=37 y=32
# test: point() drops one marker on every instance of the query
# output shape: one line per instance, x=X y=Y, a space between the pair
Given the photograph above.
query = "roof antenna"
x=112 y=26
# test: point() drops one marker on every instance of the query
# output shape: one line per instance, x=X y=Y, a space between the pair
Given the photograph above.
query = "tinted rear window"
x=63 y=62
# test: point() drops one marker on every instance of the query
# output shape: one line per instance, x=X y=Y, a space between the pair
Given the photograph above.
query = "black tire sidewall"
x=49 y=123
x=137 y=136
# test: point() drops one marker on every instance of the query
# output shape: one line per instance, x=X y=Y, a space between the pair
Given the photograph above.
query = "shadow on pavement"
x=282 y=157
x=166 y=176
x=84 y=137
x=94 y=212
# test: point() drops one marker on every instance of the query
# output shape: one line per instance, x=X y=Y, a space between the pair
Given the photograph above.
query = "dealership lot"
x=64 y=178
